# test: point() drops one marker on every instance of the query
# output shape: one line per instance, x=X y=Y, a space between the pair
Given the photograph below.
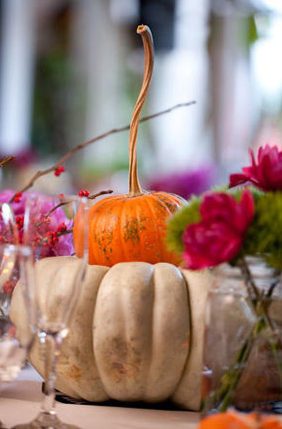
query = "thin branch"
x=81 y=146
x=5 y=160
x=57 y=206
x=66 y=202
x=93 y=196
x=253 y=291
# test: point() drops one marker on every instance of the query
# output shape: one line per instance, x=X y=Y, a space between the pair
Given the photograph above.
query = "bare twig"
x=5 y=160
x=81 y=146
x=61 y=204
x=93 y=196
x=57 y=206
x=66 y=202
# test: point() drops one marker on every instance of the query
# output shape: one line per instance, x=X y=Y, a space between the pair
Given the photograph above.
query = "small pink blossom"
x=219 y=235
x=265 y=173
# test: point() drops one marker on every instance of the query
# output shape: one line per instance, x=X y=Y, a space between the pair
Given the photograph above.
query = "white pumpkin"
x=136 y=333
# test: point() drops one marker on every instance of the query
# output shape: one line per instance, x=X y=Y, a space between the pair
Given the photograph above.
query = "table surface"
x=20 y=403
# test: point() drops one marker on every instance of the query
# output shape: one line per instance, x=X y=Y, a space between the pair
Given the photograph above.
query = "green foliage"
x=265 y=234
x=176 y=226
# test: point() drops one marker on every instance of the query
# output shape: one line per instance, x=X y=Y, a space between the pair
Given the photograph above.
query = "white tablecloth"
x=20 y=402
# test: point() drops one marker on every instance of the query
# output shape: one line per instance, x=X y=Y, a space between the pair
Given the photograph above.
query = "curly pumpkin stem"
x=147 y=39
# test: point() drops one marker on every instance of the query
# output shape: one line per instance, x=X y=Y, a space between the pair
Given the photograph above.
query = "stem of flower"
x=233 y=377
x=223 y=396
x=252 y=290
x=258 y=300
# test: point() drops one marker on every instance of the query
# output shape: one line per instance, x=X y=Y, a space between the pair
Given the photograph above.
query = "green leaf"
x=264 y=236
x=178 y=223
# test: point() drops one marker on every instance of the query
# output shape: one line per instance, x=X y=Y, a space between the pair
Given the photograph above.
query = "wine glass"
x=16 y=277
x=52 y=326
x=14 y=261
x=8 y=228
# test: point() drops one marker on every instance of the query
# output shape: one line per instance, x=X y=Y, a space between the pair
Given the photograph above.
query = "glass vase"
x=243 y=340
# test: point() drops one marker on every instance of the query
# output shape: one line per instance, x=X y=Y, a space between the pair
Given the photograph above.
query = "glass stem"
x=51 y=344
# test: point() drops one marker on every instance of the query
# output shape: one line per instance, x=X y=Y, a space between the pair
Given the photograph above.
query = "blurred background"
x=72 y=69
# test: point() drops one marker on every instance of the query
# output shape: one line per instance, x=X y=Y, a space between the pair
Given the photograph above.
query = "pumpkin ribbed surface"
x=130 y=334
x=133 y=328
x=128 y=229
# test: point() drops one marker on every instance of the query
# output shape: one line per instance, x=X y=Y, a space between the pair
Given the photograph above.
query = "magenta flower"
x=186 y=183
x=224 y=208
x=265 y=173
x=219 y=235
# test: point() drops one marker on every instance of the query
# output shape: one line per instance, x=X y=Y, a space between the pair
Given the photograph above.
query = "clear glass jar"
x=243 y=340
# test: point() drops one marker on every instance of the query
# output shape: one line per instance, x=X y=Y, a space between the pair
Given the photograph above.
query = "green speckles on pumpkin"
x=132 y=228
x=104 y=241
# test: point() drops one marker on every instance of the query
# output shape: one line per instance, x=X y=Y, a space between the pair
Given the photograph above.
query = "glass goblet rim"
x=22 y=249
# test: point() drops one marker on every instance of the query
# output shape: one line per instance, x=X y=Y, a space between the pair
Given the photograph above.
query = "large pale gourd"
x=136 y=333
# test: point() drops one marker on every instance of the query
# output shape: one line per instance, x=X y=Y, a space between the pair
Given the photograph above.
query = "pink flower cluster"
x=219 y=235
x=48 y=228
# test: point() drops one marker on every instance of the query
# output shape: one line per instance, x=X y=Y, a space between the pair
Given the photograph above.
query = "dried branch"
x=81 y=146
x=5 y=160
x=64 y=203
x=93 y=196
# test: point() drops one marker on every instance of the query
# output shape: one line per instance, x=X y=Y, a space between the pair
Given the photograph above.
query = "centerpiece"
x=131 y=336
x=237 y=233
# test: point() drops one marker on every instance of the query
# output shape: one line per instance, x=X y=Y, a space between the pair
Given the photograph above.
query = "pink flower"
x=223 y=208
x=219 y=236
x=265 y=173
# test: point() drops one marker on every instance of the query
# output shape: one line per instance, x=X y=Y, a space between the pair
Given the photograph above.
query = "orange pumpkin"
x=131 y=227
x=234 y=420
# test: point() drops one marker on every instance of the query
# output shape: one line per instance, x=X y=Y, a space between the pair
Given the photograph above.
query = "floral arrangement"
x=230 y=226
